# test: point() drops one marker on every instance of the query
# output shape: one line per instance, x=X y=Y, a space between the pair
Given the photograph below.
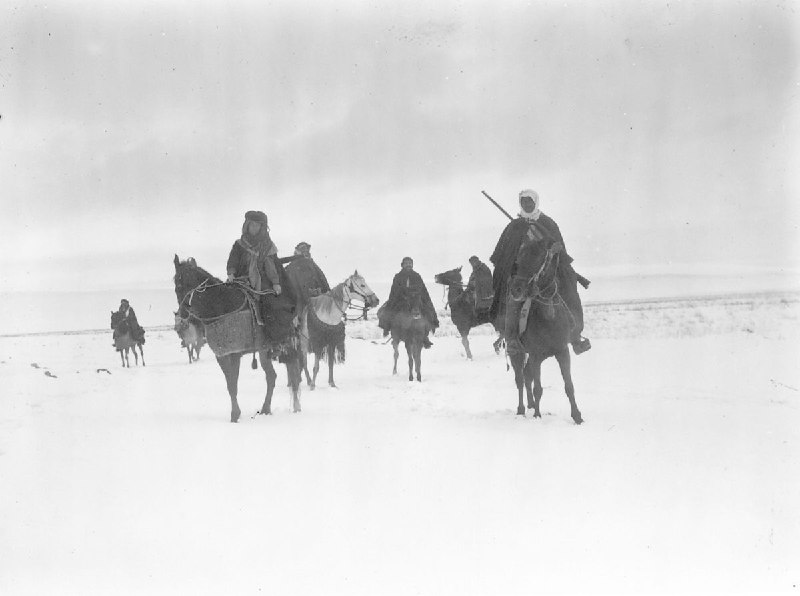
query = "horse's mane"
x=200 y=271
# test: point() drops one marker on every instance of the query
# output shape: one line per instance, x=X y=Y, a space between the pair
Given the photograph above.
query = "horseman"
x=127 y=313
x=404 y=283
x=305 y=276
x=253 y=258
x=534 y=224
x=479 y=286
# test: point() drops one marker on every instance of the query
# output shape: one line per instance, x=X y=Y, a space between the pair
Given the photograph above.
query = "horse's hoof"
x=578 y=420
x=537 y=415
x=520 y=411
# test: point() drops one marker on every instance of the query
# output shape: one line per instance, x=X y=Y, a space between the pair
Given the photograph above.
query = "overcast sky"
x=657 y=133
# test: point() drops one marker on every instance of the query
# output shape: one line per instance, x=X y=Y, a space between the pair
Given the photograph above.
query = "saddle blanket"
x=325 y=309
x=236 y=332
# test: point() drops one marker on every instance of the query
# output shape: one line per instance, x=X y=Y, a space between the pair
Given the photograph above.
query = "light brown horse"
x=192 y=334
x=124 y=341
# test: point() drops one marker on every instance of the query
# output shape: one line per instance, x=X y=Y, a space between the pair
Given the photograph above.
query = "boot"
x=426 y=343
x=581 y=345
x=513 y=343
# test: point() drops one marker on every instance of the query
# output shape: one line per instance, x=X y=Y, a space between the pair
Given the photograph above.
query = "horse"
x=322 y=324
x=123 y=339
x=229 y=311
x=547 y=320
x=192 y=334
x=463 y=312
x=411 y=327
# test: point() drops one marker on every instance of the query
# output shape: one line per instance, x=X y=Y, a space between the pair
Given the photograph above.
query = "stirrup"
x=581 y=345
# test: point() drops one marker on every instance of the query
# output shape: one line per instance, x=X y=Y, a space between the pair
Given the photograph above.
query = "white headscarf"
x=533 y=215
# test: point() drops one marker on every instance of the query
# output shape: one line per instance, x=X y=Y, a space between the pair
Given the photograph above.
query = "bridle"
x=349 y=290
x=447 y=284
x=547 y=294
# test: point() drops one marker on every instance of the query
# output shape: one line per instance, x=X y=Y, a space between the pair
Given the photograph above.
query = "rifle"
x=581 y=279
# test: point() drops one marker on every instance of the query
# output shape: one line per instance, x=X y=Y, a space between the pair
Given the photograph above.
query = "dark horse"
x=411 y=327
x=124 y=340
x=227 y=311
x=462 y=309
x=548 y=325
x=323 y=323
x=192 y=334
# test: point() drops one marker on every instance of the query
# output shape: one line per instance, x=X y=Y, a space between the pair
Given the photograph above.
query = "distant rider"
x=127 y=312
x=405 y=282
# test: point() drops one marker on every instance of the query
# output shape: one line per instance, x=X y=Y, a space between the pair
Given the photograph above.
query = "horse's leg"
x=418 y=359
x=465 y=343
x=395 y=343
x=518 y=363
x=532 y=371
x=536 y=372
x=295 y=377
x=315 y=370
x=304 y=366
x=121 y=357
x=230 y=368
x=410 y=352
x=135 y=355
x=269 y=371
x=331 y=359
x=564 y=363
x=189 y=351
x=141 y=351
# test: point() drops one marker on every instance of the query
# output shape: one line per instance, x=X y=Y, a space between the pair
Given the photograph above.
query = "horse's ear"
x=460 y=267
x=191 y=261
x=356 y=272
x=177 y=261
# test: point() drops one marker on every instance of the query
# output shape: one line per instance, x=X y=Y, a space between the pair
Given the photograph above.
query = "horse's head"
x=119 y=323
x=188 y=276
x=537 y=264
x=357 y=285
x=449 y=278
x=180 y=322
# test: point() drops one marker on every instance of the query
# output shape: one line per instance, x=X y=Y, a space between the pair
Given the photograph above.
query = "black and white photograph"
x=399 y=298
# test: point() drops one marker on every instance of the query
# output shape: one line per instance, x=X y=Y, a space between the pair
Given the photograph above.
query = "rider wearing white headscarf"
x=531 y=221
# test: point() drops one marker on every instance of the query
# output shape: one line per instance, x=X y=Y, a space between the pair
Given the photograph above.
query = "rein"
x=342 y=296
x=540 y=296
x=447 y=284
x=350 y=289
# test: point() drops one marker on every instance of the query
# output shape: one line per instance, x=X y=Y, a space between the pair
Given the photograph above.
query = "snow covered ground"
x=685 y=477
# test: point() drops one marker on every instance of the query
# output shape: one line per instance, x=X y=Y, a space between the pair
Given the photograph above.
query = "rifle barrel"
x=496 y=204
